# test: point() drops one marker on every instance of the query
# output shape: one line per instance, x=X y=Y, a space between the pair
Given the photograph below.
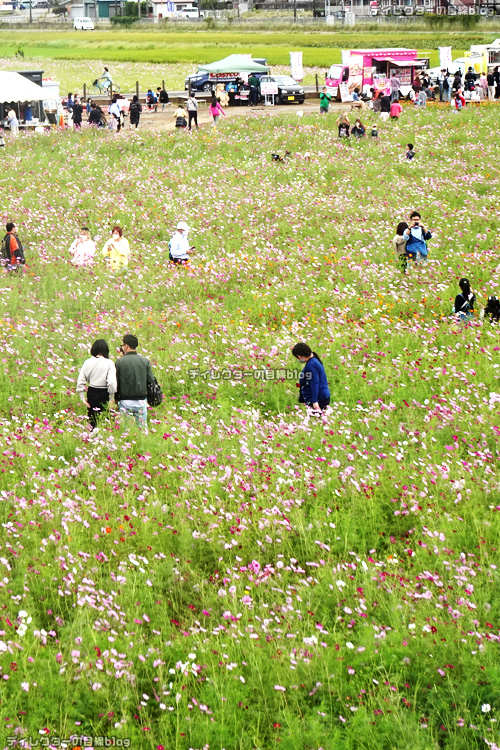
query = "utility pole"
x=31 y=15
x=295 y=10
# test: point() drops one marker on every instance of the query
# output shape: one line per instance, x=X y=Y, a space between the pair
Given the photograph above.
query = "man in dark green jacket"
x=133 y=374
x=253 y=82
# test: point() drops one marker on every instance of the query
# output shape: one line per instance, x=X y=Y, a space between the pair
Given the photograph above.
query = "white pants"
x=491 y=92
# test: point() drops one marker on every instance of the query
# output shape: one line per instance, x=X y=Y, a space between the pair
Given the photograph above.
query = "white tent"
x=17 y=88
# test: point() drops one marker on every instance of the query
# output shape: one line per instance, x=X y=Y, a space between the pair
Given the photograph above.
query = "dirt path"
x=165 y=120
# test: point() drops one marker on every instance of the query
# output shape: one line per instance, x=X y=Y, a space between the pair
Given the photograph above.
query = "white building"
x=171 y=8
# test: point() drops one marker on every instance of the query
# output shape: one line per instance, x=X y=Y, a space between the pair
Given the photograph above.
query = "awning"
x=234 y=64
x=399 y=63
x=17 y=88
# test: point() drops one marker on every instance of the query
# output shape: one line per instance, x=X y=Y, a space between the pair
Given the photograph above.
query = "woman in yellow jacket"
x=117 y=250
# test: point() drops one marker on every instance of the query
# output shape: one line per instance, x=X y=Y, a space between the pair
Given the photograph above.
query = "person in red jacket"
x=459 y=101
x=12 y=249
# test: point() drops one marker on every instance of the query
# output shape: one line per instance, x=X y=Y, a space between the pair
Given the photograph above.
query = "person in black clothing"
x=464 y=302
x=77 y=114
x=496 y=75
x=358 y=130
x=95 y=117
x=163 y=97
x=490 y=78
x=470 y=80
x=135 y=111
x=385 y=104
x=344 y=126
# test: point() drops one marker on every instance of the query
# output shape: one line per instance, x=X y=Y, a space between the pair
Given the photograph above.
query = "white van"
x=191 y=13
x=83 y=24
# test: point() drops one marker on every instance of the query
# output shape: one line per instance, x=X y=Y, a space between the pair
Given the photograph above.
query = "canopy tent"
x=234 y=64
x=17 y=88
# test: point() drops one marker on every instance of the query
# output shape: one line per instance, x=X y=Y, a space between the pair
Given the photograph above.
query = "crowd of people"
x=130 y=380
x=453 y=89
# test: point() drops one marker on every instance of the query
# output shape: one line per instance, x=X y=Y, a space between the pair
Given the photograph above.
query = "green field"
x=170 y=55
x=247 y=575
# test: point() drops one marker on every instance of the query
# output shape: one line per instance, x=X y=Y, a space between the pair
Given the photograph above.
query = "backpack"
x=5 y=249
x=135 y=108
x=446 y=84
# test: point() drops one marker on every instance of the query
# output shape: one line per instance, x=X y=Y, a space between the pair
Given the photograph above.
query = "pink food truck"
x=372 y=68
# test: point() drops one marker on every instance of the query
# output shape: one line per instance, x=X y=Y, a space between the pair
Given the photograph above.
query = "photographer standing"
x=416 y=246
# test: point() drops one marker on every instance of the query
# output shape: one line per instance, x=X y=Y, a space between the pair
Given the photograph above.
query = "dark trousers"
x=193 y=115
x=254 y=94
x=98 y=398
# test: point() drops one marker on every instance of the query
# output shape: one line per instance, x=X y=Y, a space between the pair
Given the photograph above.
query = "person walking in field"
x=83 y=249
x=135 y=111
x=114 y=112
x=399 y=246
x=134 y=375
x=12 y=249
x=99 y=374
x=162 y=97
x=77 y=114
x=215 y=110
x=313 y=383
x=192 y=108
x=117 y=250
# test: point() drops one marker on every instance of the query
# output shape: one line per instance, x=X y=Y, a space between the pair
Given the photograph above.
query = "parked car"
x=288 y=89
x=201 y=80
x=83 y=23
x=41 y=4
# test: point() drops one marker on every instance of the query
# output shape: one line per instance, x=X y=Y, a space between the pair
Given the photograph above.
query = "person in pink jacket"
x=215 y=110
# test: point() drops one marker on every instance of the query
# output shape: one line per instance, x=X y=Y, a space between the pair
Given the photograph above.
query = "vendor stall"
x=231 y=68
x=21 y=95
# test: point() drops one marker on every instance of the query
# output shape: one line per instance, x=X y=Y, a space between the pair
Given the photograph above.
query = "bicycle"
x=103 y=87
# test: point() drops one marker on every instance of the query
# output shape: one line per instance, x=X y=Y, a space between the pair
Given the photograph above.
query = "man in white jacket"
x=179 y=246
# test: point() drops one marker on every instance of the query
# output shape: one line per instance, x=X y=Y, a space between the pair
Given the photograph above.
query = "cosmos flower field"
x=247 y=575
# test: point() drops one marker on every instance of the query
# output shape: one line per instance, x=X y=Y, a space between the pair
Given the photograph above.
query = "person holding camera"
x=117 y=250
x=416 y=245
x=179 y=247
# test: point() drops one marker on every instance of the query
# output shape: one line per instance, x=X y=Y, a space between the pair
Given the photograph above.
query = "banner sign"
x=444 y=57
x=344 y=92
x=268 y=87
x=296 y=65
